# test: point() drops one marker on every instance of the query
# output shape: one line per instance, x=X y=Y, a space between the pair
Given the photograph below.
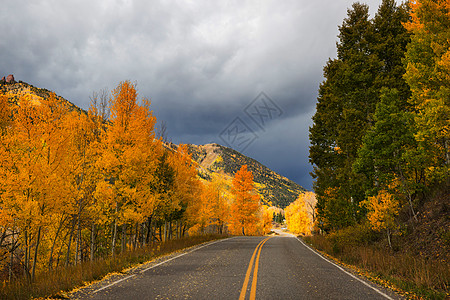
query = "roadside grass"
x=362 y=250
x=55 y=284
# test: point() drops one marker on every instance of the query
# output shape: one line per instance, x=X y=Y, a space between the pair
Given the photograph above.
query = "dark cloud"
x=200 y=62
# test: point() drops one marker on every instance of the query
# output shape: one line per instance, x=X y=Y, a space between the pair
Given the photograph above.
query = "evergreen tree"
x=369 y=57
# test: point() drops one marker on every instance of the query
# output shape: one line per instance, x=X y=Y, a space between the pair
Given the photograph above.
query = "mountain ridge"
x=271 y=186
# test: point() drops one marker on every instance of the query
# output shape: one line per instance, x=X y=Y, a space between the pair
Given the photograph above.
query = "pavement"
x=275 y=267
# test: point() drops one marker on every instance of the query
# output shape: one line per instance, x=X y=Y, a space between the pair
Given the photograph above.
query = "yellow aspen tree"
x=244 y=209
x=118 y=143
x=383 y=209
x=297 y=217
x=6 y=219
x=82 y=176
x=221 y=207
x=36 y=184
x=128 y=159
x=202 y=210
x=266 y=219
x=187 y=186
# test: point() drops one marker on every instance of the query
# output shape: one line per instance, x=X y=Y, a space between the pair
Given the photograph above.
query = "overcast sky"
x=239 y=73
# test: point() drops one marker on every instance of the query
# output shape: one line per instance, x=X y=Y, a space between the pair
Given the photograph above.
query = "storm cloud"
x=201 y=63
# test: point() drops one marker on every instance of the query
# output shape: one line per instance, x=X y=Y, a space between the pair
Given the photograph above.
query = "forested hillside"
x=214 y=158
x=17 y=90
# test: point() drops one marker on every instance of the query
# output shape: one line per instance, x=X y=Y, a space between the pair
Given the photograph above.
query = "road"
x=285 y=268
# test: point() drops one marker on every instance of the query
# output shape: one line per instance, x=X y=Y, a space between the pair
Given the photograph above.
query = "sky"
x=243 y=74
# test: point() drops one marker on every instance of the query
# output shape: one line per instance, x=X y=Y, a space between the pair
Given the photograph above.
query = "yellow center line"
x=249 y=271
x=255 y=272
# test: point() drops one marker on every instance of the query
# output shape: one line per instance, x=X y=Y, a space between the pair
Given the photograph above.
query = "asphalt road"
x=285 y=269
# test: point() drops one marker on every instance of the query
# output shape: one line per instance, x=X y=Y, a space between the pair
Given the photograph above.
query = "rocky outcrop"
x=10 y=79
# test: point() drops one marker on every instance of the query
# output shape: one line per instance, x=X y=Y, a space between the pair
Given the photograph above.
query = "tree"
x=246 y=203
x=369 y=57
x=128 y=161
x=345 y=106
x=383 y=208
x=428 y=74
x=266 y=218
x=297 y=218
x=383 y=155
x=187 y=186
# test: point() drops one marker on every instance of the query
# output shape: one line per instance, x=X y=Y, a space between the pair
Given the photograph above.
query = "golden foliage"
x=297 y=218
x=383 y=208
x=244 y=219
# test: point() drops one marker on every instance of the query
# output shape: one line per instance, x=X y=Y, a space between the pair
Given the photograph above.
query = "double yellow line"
x=255 y=272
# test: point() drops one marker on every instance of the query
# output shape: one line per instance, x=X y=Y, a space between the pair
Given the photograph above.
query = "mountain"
x=14 y=90
x=214 y=158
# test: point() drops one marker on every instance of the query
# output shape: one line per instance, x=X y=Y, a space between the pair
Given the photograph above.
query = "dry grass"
x=56 y=283
x=412 y=276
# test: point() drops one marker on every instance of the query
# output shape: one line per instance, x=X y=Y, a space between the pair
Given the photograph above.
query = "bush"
x=355 y=236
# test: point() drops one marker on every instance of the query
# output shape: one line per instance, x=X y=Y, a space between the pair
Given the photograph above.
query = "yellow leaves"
x=25 y=94
x=383 y=209
x=297 y=218
x=265 y=222
x=428 y=75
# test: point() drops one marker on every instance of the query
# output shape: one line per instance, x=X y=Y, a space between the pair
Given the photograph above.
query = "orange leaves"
x=245 y=205
x=210 y=211
x=131 y=152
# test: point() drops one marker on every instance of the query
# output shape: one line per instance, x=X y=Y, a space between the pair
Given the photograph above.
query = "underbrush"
x=56 y=283
x=411 y=275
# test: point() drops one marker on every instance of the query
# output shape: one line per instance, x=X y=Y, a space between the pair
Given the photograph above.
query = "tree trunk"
x=124 y=238
x=77 y=247
x=165 y=231
x=50 y=260
x=26 y=259
x=406 y=189
x=169 y=230
x=11 y=258
x=113 y=243
x=93 y=232
x=149 y=230
x=38 y=239
x=389 y=237
x=136 y=234
x=70 y=242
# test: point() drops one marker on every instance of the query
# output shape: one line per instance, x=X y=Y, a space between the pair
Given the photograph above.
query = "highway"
x=276 y=267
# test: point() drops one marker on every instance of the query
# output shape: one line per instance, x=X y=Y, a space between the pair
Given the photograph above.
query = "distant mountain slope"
x=214 y=158
x=35 y=94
